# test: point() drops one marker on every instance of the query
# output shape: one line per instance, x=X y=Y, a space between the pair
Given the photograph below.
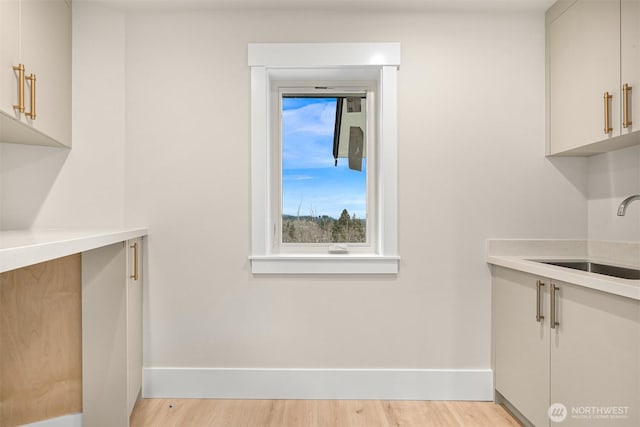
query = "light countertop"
x=525 y=260
x=21 y=248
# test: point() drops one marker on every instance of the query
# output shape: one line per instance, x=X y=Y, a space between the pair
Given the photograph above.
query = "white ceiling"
x=400 y=5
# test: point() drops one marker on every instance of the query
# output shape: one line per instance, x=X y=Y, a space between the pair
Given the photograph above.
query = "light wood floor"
x=318 y=413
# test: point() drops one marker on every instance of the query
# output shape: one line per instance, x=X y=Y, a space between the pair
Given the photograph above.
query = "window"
x=326 y=168
x=323 y=149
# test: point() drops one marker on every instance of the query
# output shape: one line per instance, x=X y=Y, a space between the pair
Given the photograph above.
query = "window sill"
x=324 y=264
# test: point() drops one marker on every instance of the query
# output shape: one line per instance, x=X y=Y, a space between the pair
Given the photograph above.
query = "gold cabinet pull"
x=20 y=69
x=607 y=127
x=32 y=114
x=554 y=316
x=626 y=122
x=134 y=276
x=539 y=285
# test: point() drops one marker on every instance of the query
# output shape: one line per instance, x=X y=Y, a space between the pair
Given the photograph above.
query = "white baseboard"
x=71 y=420
x=378 y=384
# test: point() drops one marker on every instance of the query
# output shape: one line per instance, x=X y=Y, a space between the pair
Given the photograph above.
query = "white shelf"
x=21 y=248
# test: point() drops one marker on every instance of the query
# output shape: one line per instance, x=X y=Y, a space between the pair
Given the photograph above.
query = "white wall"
x=472 y=166
x=613 y=177
x=1 y=189
x=83 y=187
x=471 y=161
x=175 y=86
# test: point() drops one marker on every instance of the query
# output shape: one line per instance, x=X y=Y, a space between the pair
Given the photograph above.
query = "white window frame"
x=272 y=62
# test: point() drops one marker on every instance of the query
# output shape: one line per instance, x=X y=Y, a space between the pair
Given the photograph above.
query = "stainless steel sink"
x=592 y=267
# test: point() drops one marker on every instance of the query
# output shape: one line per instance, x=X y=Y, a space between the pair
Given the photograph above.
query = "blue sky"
x=310 y=182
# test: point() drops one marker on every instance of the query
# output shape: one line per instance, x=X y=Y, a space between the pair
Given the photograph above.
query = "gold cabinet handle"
x=607 y=127
x=539 y=316
x=625 y=91
x=32 y=114
x=134 y=276
x=20 y=69
x=554 y=315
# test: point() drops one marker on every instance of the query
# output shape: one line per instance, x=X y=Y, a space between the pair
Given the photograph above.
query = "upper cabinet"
x=35 y=72
x=593 y=78
x=630 y=62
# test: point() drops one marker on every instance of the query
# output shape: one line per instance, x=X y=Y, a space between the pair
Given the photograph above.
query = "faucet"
x=625 y=203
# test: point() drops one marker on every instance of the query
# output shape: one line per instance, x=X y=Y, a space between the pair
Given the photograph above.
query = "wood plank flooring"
x=318 y=413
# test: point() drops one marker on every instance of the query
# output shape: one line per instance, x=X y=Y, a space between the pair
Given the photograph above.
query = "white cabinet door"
x=521 y=354
x=46 y=53
x=584 y=63
x=595 y=357
x=134 y=322
x=111 y=333
x=630 y=59
x=9 y=55
x=104 y=337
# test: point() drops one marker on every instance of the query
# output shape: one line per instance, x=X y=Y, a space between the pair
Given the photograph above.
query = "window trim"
x=316 y=61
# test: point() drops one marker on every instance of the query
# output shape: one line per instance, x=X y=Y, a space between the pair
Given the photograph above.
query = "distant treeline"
x=324 y=229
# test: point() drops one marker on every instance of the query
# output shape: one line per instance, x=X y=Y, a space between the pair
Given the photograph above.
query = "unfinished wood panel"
x=40 y=341
x=318 y=413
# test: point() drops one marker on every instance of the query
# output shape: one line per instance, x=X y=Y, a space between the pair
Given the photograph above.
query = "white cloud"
x=297 y=177
x=308 y=136
x=313 y=120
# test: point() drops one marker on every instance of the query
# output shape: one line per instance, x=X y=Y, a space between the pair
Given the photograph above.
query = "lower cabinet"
x=521 y=344
x=595 y=357
x=111 y=333
x=134 y=322
x=586 y=367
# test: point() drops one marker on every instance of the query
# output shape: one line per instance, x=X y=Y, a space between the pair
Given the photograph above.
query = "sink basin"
x=592 y=267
